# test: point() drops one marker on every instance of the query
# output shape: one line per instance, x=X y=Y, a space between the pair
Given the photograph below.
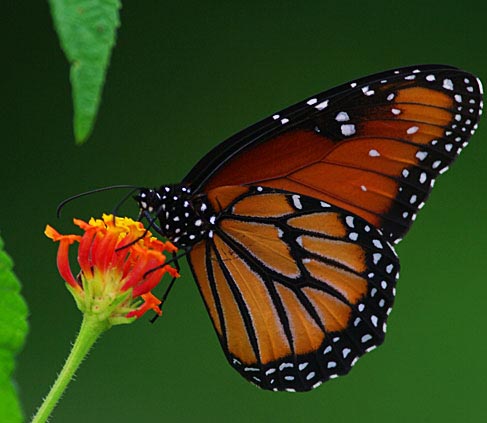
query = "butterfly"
x=289 y=225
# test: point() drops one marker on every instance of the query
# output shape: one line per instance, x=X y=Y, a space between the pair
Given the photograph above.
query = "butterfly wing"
x=373 y=147
x=297 y=289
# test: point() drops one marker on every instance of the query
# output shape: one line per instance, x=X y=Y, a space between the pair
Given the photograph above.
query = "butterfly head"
x=184 y=219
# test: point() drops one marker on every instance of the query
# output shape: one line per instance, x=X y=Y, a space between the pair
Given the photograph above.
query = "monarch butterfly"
x=288 y=224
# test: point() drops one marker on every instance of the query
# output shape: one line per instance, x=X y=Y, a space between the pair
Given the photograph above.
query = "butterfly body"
x=289 y=224
x=184 y=218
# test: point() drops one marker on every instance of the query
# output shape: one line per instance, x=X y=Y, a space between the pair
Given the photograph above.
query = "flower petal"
x=151 y=302
x=62 y=260
x=85 y=252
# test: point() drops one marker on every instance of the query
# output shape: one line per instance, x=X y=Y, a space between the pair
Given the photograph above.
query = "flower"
x=120 y=261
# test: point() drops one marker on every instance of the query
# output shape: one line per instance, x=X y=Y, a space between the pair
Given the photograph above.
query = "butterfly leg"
x=169 y=287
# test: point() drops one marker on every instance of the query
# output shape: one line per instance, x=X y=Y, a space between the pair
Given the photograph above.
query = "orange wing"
x=297 y=289
x=373 y=147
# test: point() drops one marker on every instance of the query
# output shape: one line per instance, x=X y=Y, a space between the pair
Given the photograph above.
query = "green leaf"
x=87 y=31
x=13 y=329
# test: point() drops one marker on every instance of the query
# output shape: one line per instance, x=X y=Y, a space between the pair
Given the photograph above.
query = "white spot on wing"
x=348 y=129
x=481 y=87
x=377 y=243
x=342 y=117
x=374 y=153
x=322 y=105
x=374 y=320
x=421 y=155
x=285 y=365
x=297 y=202
x=448 y=84
x=367 y=337
x=412 y=130
x=310 y=375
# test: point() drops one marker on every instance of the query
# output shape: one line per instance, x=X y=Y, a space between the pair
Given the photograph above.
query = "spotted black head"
x=184 y=218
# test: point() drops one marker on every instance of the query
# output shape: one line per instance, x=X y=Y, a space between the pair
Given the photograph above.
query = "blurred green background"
x=183 y=77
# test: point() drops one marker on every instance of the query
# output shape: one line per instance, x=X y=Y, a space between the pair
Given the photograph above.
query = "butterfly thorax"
x=183 y=217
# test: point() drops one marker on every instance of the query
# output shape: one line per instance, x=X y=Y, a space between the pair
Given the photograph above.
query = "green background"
x=184 y=77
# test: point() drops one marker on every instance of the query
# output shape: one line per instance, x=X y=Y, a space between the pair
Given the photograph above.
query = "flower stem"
x=90 y=331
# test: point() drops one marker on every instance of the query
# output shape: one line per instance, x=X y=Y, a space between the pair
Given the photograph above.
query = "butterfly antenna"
x=94 y=191
x=123 y=200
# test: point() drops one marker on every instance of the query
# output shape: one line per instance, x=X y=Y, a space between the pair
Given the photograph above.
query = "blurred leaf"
x=13 y=329
x=87 y=31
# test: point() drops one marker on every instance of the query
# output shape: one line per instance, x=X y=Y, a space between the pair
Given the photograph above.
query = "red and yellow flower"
x=120 y=263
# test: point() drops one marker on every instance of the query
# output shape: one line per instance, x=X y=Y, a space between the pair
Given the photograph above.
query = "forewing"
x=373 y=147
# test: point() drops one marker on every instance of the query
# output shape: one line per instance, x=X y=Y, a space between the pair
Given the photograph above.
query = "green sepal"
x=101 y=299
x=78 y=297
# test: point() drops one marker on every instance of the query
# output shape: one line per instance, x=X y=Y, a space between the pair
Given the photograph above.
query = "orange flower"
x=112 y=279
